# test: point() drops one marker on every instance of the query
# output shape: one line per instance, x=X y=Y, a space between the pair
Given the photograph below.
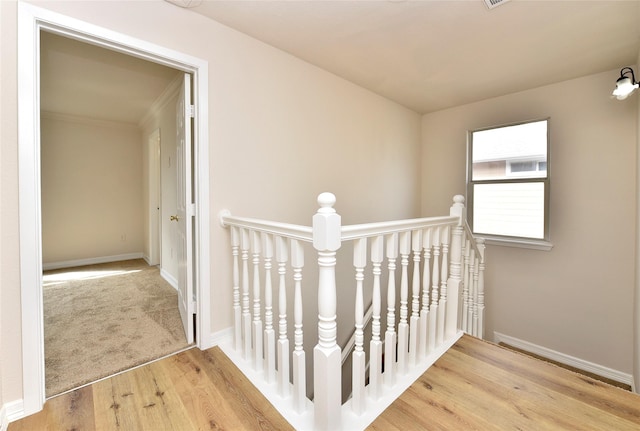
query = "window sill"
x=532 y=244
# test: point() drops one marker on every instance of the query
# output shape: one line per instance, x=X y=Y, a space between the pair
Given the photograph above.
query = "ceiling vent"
x=494 y=3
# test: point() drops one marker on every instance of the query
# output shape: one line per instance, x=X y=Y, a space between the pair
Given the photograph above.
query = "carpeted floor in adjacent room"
x=103 y=319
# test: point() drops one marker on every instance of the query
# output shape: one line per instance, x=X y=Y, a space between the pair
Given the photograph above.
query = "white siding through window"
x=511 y=209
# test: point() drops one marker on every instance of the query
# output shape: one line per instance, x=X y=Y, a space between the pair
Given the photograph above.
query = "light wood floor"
x=193 y=390
x=477 y=385
x=474 y=386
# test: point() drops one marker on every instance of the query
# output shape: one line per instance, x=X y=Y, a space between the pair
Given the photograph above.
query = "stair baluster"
x=426 y=285
x=246 y=315
x=435 y=283
x=375 y=355
x=237 y=310
x=269 y=333
x=390 y=335
x=403 y=326
x=444 y=277
x=465 y=284
x=299 y=367
x=416 y=247
x=256 y=334
x=282 y=256
x=359 y=357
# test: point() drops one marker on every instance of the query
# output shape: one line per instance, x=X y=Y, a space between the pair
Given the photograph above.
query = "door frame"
x=32 y=20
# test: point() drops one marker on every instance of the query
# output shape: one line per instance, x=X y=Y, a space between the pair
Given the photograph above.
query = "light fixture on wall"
x=625 y=85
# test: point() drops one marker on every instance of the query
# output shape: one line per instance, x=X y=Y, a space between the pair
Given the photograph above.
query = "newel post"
x=326 y=355
x=455 y=267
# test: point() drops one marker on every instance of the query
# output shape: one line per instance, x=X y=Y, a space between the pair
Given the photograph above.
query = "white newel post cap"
x=327 y=224
x=458 y=209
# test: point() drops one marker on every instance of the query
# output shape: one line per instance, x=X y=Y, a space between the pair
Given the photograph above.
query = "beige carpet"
x=102 y=319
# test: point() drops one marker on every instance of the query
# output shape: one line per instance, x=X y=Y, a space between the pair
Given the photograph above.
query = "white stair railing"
x=441 y=294
x=472 y=313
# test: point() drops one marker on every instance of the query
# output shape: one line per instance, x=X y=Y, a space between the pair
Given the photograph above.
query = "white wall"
x=91 y=189
x=281 y=132
x=9 y=219
x=576 y=299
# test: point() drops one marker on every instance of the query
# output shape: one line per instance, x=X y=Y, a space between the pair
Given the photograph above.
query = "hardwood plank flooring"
x=476 y=385
x=480 y=386
x=193 y=390
x=624 y=386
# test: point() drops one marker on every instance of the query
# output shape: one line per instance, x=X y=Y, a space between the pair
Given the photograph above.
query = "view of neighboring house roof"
x=518 y=142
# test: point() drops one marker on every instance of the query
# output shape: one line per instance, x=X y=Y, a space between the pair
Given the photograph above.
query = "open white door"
x=154 y=232
x=185 y=208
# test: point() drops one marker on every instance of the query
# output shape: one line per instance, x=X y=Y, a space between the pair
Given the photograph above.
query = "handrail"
x=350 y=232
x=382 y=228
x=299 y=232
x=474 y=244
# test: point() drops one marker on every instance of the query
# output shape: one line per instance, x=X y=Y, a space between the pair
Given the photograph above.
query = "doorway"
x=105 y=310
x=31 y=21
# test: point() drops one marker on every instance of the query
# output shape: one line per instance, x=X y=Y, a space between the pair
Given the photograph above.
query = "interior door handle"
x=174 y=218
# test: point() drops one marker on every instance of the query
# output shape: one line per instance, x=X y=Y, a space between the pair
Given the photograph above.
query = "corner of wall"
x=217 y=338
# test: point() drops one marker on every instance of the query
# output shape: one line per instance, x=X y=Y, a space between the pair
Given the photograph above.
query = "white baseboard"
x=90 y=261
x=218 y=338
x=11 y=412
x=169 y=278
x=4 y=421
x=149 y=261
x=565 y=359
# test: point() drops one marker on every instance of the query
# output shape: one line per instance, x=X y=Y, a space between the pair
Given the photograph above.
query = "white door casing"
x=184 y=206
x=31 y=20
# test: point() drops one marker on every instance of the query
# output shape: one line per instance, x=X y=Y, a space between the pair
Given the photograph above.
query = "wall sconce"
x=625 y=85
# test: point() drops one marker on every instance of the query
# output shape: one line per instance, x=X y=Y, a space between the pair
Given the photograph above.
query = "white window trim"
x=544 y=244
x=532 y=244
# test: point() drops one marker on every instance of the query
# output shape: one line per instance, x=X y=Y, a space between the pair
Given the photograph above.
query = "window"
x=508 y=182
